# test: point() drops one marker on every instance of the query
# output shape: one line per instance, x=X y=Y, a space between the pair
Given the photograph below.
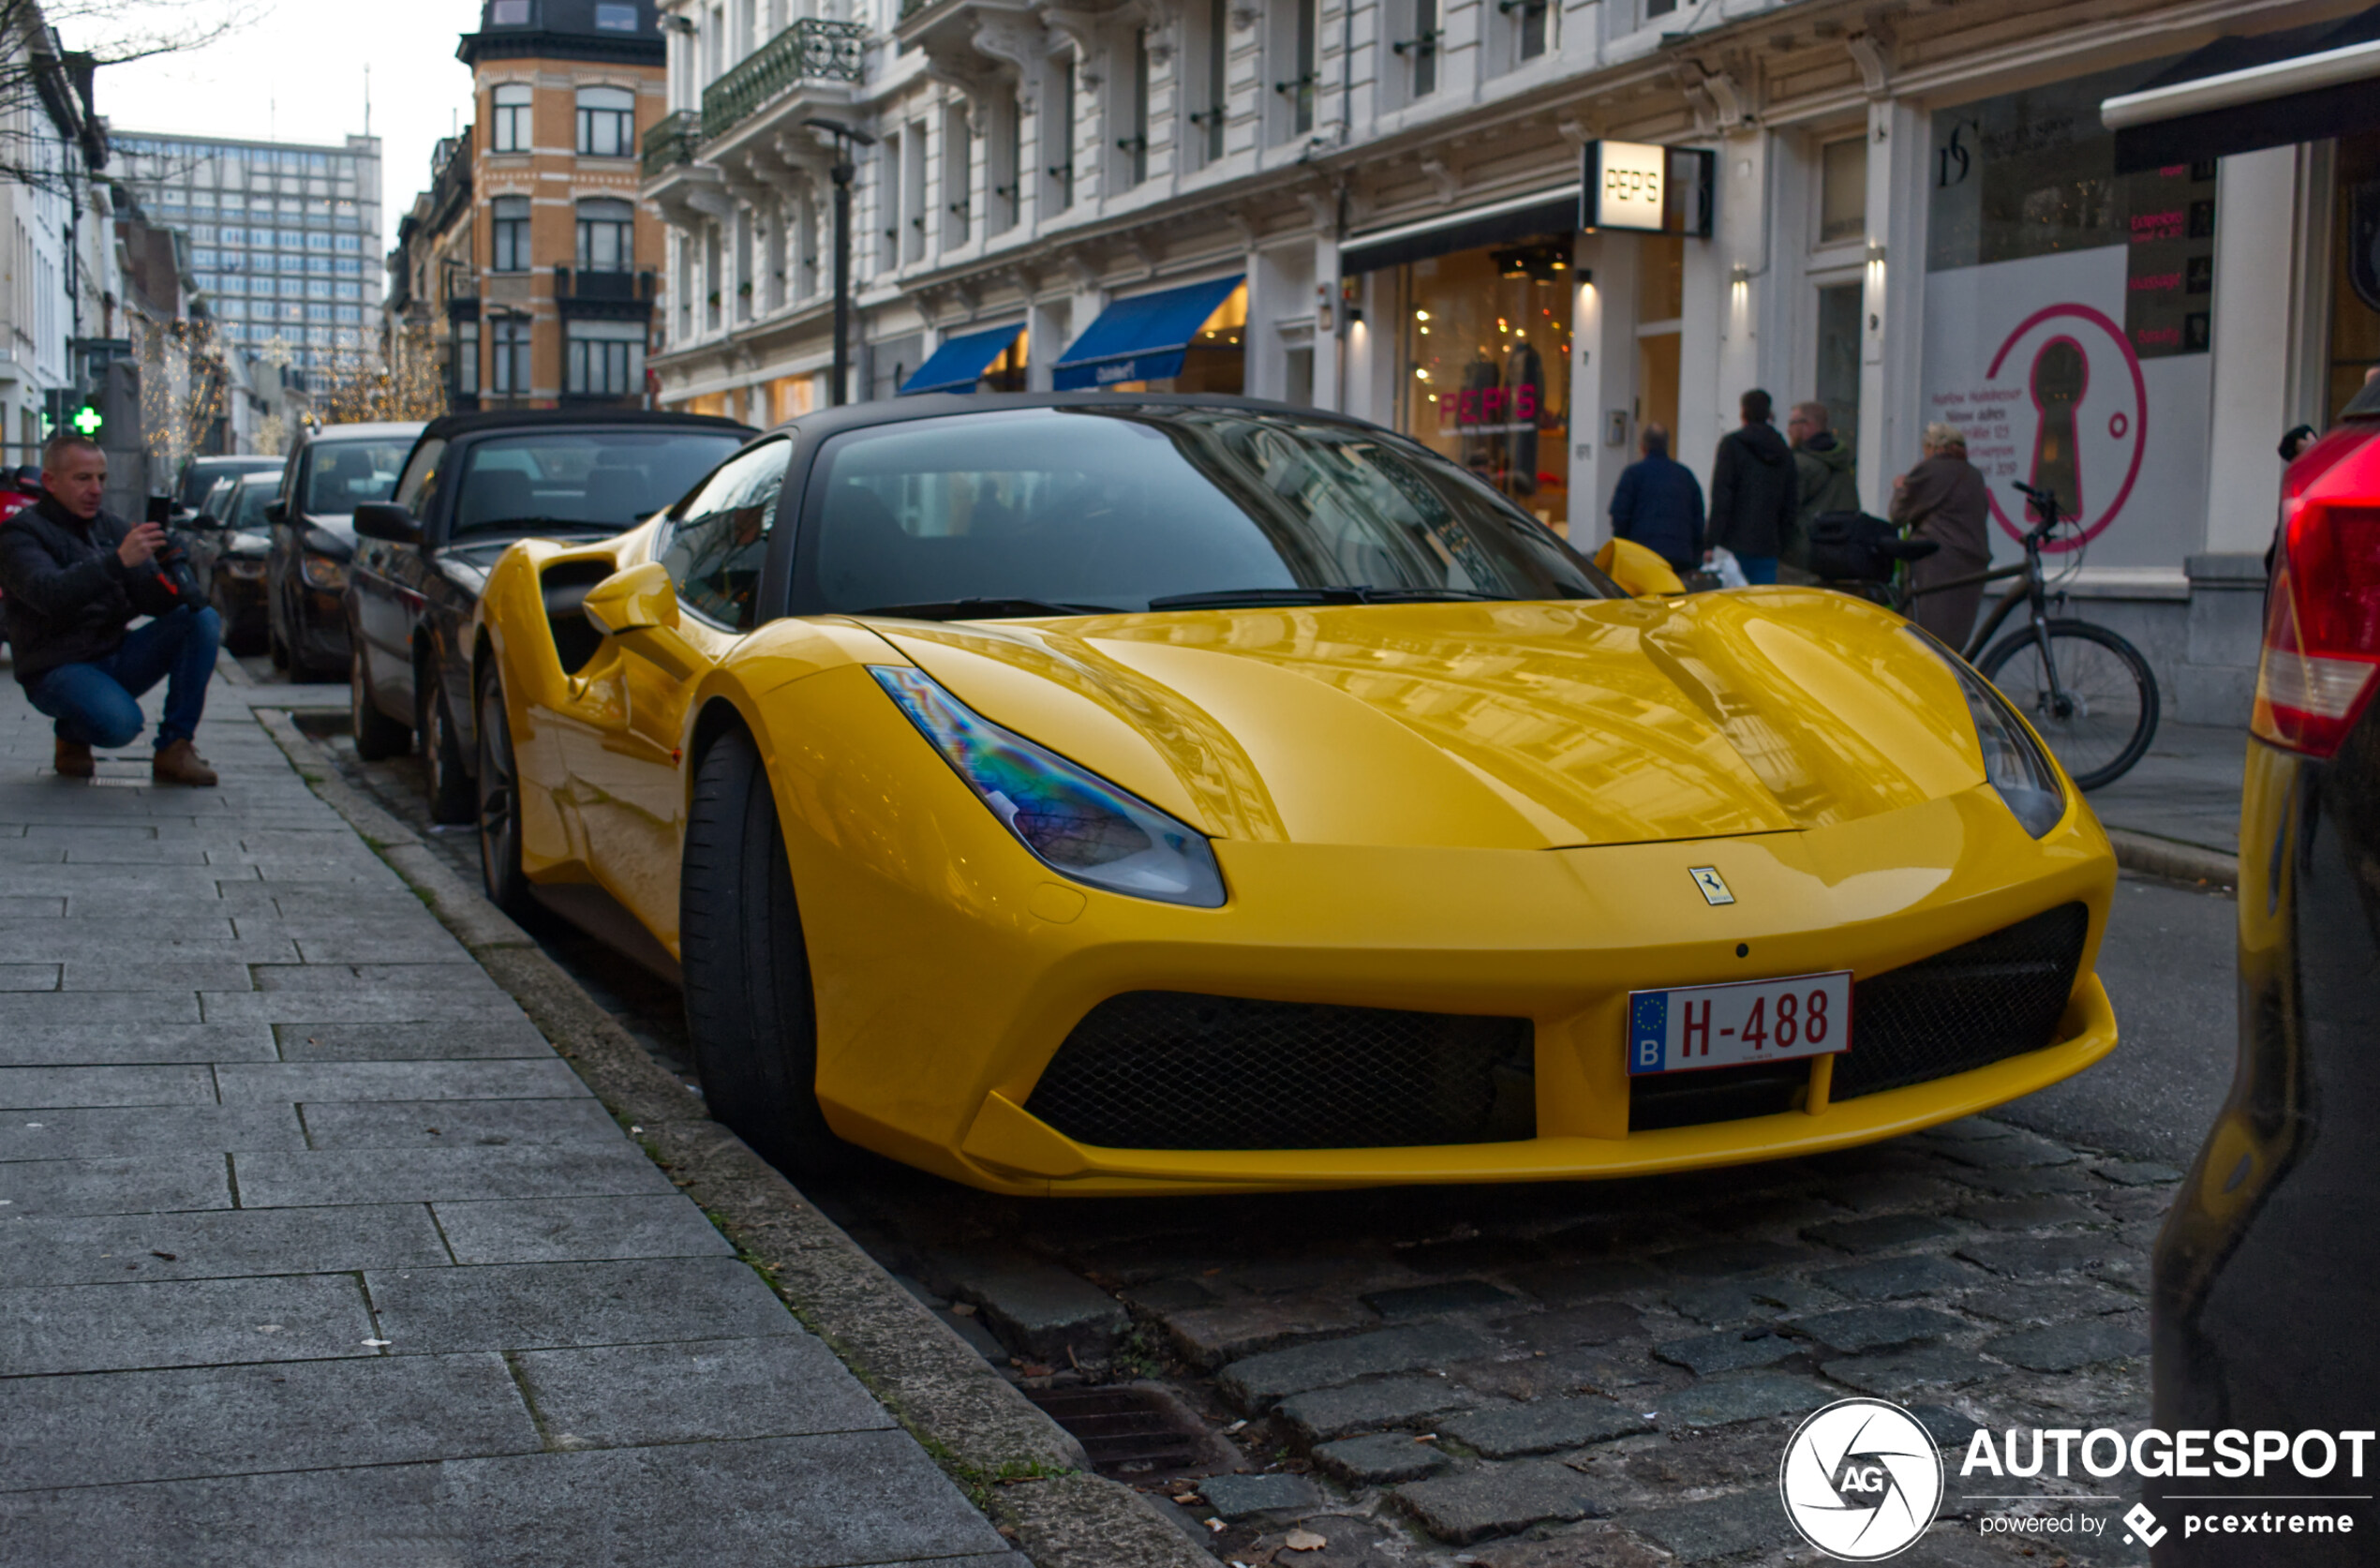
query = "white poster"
x=2029 y=358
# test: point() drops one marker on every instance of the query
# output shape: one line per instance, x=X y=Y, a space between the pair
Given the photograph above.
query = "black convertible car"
x=472 y=484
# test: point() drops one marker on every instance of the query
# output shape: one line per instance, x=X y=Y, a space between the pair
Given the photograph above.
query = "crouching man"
x=74 y=577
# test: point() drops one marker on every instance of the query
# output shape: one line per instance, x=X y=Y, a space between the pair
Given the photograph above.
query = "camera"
x=170 y=561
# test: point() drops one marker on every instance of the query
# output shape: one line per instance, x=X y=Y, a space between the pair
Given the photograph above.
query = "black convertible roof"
x=927 y=405
x=451 y=425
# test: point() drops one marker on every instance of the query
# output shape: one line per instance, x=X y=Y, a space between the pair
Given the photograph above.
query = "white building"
x=58 y=283
x=1916 y=212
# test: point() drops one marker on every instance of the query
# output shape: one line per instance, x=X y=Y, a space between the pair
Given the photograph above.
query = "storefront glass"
x=2069 y=319
x=1487 y=367
x=2355 y=297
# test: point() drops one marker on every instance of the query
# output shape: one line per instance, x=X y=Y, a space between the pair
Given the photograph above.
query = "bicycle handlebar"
x=2044 y=506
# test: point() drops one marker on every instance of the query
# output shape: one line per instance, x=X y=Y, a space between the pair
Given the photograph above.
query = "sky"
x=296 y=73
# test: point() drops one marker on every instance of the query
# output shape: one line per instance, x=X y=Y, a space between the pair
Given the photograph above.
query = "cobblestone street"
x=1550 y=1376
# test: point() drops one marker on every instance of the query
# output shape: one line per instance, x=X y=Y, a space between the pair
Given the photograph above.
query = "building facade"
x=552 y=302
x=283 y=237
x=58 y=279
x=1910 y=213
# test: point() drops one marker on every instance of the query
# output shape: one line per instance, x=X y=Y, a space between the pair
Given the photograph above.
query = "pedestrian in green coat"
x=1828 y=476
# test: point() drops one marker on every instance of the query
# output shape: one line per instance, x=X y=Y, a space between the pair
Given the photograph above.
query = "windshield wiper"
x=1260 y=598
x=984 y=609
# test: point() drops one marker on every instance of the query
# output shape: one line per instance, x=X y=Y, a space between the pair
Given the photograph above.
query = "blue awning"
x=960 y=361
x=1142 y=338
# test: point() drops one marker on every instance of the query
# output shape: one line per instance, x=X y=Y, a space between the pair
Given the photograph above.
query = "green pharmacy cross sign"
x=87 y=420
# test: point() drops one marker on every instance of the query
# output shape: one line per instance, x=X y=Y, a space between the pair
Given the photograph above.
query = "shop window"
x=606 y=122
x=508 y=219
x=1486 y=368
x=511 y=106
x=606 y=235
x=2355 y=303
x=1838 y=371
x=1842 y=191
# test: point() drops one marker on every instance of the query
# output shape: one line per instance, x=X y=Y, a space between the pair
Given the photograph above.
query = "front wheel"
x=499 y=805
x=2108 y=712
x=451 y=798
x=749 y=1006
x=378 y=737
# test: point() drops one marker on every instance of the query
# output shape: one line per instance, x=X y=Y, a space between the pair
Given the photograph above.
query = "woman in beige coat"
x=1942 y=498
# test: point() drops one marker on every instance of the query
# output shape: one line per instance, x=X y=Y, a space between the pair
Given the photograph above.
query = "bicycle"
x=2086 y=692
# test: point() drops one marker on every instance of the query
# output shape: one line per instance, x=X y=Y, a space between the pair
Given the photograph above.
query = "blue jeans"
x=1758 y=569
x=93 y=704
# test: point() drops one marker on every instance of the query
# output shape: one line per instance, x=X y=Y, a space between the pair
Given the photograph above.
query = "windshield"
x=247 y=504
x=1129 y=507
x=342 y=475
x=592 y=479
x=201 y=478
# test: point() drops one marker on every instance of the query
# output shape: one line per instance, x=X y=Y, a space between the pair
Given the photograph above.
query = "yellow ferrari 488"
x=1097 y=794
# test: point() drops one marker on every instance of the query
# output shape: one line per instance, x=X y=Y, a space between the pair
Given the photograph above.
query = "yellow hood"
x=1483 y=726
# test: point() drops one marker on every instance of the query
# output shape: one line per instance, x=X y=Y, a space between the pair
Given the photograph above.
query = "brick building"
x=531 y=256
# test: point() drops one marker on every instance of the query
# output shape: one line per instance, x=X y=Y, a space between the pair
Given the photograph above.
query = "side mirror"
x=276 y=512
x=378 y=519
x=206 y=522
x=637 y=599
x=1637 y=569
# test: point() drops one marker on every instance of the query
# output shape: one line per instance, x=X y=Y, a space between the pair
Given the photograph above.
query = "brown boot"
x=181 y=764
x=73 y=760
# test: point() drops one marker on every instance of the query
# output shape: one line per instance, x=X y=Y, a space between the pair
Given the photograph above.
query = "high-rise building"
x=285 y=237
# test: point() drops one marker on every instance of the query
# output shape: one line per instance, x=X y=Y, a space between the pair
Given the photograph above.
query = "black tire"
x=499 y=806
x=2114 y=716
x=274 y=643
x=750 y=1010
x=453 y=798
x=378 y=737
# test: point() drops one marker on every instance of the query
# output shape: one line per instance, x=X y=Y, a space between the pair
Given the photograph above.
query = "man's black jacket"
x=1755 y=489
x=68 y=594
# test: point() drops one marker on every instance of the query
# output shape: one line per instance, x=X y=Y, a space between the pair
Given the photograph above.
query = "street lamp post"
x=846 y=137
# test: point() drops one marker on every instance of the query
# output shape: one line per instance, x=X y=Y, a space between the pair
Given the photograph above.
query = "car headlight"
x=1073 y=821
x=323 y=572
x=2012 y=759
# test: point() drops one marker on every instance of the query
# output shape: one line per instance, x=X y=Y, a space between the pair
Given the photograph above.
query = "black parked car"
x=2268 y=1274
x=330 y=473
x=201 y=475
x=473 y=485
x=228 y=545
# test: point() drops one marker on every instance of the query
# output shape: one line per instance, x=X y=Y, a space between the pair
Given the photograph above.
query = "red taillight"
x=2322 y=628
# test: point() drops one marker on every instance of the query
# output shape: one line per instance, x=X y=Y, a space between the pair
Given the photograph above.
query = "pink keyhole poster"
x=2031 y=359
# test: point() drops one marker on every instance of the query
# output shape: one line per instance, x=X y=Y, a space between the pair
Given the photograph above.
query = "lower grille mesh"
x=1165 y=1070
x=1993 y=998
x=1982 y=1002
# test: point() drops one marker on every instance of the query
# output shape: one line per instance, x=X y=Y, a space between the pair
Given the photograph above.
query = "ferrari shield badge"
x=1714 y=887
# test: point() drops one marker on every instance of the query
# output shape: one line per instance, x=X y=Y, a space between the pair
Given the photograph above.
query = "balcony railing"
x=606 y=287
x=671 y=141
x=811 y=49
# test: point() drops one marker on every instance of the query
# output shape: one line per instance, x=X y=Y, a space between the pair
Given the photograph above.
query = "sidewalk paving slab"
x=312 y=1250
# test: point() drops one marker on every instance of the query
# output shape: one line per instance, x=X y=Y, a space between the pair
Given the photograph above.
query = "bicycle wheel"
x=2111 y=709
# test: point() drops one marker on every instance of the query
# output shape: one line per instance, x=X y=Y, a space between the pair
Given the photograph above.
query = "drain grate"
x=1125 y=1430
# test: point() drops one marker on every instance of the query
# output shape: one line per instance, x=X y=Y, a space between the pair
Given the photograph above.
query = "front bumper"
x=954 y=967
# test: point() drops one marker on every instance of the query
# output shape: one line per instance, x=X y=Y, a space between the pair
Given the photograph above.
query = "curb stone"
x=2173 y=860
x=1026 y=1473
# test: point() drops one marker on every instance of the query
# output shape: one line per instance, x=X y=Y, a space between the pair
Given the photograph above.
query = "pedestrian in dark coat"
x=1658 y=504
x=1942 y=498
x=1754 y=491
